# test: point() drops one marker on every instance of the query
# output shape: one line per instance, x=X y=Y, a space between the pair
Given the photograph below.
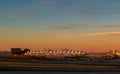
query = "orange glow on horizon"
x=95 y=44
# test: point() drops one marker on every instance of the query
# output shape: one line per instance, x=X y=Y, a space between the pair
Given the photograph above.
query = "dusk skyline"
x=91 y=25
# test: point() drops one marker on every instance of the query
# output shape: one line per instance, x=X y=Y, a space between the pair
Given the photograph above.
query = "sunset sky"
x=91 y=25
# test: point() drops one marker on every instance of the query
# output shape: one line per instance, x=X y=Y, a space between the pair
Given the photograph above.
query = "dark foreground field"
x=56 y=66
x=16 y=70
x=29 y=65
x=36 y=72
x=41 y=68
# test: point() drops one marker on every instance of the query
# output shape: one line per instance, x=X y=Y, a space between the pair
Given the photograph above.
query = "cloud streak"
x=90 y=9
x=58 y=1
x=61 y=27
x=78 y=26
x=102 y=34
x=111 y=0
x=16 y=14
x=106 y=26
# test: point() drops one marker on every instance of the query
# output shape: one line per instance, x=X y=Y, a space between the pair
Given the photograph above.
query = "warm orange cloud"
x=103 y=34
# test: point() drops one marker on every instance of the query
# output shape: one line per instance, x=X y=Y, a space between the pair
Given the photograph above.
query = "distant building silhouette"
x=19 y=51
x=60 y=52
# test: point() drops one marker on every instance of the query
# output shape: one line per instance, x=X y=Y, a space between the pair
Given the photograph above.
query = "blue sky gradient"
x=57 y=18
